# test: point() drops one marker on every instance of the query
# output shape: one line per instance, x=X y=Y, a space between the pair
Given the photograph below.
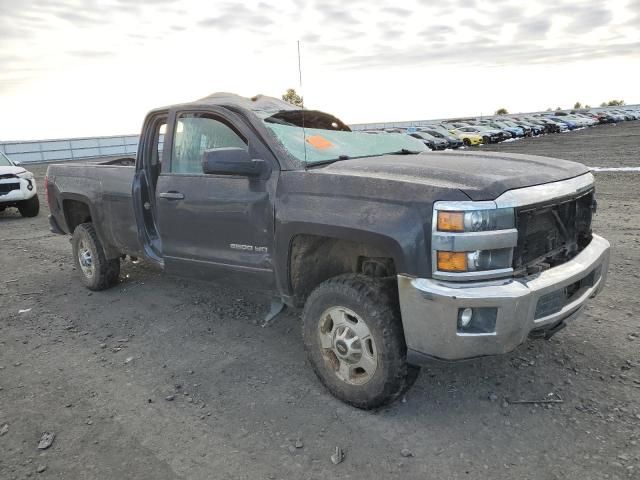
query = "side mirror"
x=231 y=161
x=16 y=163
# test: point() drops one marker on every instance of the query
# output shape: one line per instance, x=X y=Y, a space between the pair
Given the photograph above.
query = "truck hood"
x=480 y=175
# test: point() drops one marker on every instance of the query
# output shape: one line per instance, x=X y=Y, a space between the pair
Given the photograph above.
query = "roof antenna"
x=304 y=134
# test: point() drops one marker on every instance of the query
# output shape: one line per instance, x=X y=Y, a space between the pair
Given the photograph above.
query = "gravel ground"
x=163 y=378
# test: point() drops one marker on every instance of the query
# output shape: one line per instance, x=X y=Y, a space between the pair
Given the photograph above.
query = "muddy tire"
x=97 y=272
x=30 y=208
x=353 y=337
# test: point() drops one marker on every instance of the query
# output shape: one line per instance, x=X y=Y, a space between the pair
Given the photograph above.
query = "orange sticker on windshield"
x=319 y=142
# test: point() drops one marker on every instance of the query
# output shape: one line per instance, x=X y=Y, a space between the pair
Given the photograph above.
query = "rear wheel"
x=466 y=142
x=29 y=208
x=354 y=340
x=97 y=272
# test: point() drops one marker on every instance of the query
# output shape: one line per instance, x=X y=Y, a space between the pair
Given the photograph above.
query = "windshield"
x=4 y=161
x=424 y=135
x=433 y=133
x=316 y=145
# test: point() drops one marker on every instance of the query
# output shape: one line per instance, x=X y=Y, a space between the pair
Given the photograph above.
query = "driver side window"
x=196 y=133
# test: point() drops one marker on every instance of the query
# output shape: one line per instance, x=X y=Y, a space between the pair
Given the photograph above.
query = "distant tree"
x=587 y=106
x=549 y=109
x=603 y=104
x=293 y=98
x=558 y=109
x=502 y=111
x=577 y=105
x=615 y=103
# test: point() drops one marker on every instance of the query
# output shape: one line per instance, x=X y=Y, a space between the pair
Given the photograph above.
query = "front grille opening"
x=8 y=187
x=552 y=234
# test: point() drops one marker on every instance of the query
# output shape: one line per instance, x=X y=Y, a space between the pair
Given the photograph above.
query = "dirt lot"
x=97 y=369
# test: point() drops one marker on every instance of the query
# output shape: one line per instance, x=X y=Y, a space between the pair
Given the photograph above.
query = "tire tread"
x=380 y=294
x=107 y=271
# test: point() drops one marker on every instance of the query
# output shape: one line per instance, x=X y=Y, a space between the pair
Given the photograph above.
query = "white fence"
x=70 y=148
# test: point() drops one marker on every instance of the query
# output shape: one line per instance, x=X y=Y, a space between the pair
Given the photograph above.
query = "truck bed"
x=105 y=188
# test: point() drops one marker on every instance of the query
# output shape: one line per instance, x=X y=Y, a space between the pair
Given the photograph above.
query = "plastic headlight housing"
x=482 y=260
x=476 y=220
x=25 y=174
x=475 y=261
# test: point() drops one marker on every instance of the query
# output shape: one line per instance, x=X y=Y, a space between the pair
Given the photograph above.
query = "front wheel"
x=30 y=208
x=98 y=272
x=354 y=339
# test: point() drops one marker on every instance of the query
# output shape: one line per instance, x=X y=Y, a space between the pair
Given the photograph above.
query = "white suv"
x=17 y=188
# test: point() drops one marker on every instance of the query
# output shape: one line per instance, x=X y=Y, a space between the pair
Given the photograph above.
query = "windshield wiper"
x=327 y=162
x=404 y=151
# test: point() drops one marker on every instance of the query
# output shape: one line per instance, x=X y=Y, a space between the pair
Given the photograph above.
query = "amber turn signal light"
x=452 y=261
x=450 y=221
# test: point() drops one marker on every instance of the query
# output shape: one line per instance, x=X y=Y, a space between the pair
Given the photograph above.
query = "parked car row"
x=471 y=132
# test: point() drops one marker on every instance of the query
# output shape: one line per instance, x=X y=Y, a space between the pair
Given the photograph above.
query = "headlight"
x=472 y=240
x=476 y=220
x=475 y=261
x=26 y=174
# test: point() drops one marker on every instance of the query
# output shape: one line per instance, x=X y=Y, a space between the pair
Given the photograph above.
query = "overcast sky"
x=90 y=67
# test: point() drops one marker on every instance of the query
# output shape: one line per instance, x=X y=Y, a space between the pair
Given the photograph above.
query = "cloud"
x=235 y=17
x=436 y=30
x=79 y=18
x=311 y=37
x=535 y=28
x=585 y=20
x=91 y=53
x=481 y=51
x=399 y=11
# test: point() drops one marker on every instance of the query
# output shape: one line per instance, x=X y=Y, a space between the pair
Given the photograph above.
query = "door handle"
x=147 y=206
x=172 y=195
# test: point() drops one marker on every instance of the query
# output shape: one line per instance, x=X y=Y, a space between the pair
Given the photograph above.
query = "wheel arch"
x=313 y=255
x=78 y=209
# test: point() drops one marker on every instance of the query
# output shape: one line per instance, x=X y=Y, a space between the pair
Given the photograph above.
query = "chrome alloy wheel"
x=85 y=259
x=347 y=345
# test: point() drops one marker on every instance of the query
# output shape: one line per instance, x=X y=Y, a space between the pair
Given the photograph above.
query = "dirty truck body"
x=398 y=256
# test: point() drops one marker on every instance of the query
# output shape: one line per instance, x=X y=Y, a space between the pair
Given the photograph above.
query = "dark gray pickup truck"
x=398 y=256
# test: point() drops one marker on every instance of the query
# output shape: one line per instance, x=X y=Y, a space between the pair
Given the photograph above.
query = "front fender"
x=397 y=230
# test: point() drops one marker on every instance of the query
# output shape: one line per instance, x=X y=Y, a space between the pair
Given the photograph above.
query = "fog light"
x=465 y=317
x=477 y=320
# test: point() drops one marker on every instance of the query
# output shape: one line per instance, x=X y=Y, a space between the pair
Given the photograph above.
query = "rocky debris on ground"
x=46 y=440
x=405 y=452
x=338 y=456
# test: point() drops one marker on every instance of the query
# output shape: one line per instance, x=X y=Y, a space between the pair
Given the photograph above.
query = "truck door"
x=148 y=166
x=213 y=226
